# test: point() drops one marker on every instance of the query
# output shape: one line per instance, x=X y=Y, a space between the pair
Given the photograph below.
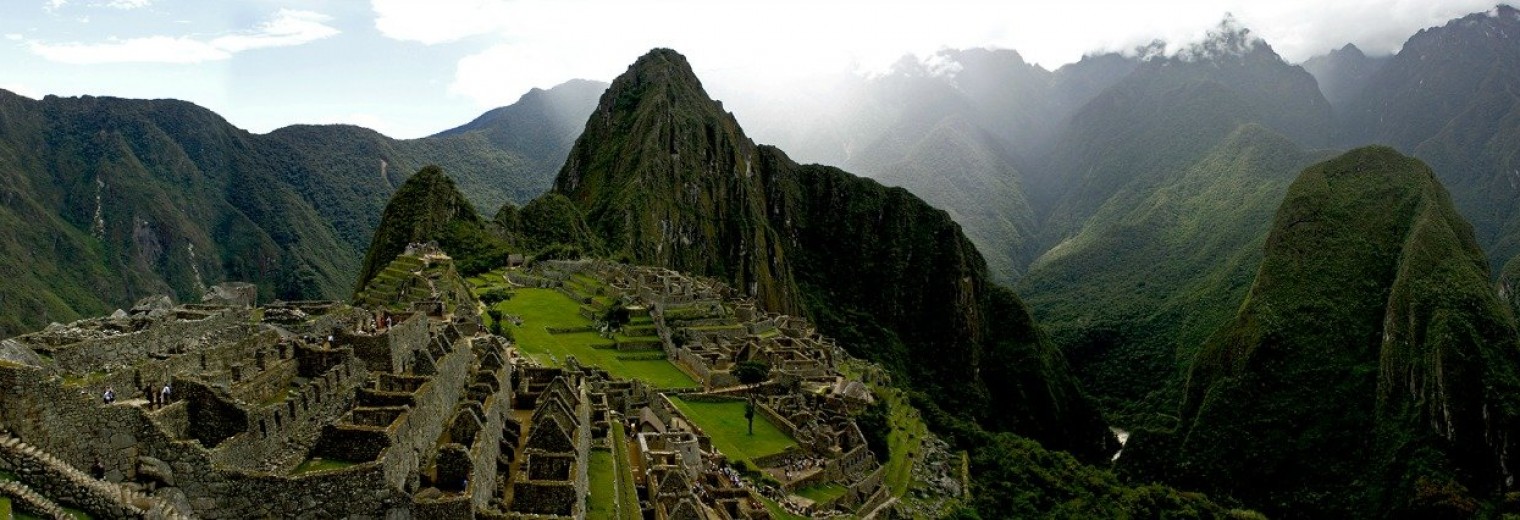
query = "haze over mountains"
x=1183 y=230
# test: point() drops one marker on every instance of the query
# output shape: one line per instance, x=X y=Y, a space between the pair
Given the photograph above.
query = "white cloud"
x=127 y=4
x=152 y=49
x=13 y=37
x=539 y=43
x=53 y=5
x=287 y=28
x=437 y=21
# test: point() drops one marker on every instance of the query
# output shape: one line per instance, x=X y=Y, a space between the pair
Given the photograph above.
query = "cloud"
x=13 y=37
x=127 y=4
x=782 y=43
x=437 y=21
x=53 y=5
x=286 y=29
x=152 y=49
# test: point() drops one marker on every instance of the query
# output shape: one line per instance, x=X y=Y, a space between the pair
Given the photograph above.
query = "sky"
x=411 y=68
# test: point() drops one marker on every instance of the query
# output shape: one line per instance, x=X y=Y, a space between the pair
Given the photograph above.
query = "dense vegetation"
x=105 y=200
x=1371 y=370
x=429 y=208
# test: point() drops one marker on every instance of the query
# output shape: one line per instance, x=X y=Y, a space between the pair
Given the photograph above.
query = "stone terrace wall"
x=390 y=350
x=281 y=433
x=162 y=339
x=76 y=429
x=55 y=478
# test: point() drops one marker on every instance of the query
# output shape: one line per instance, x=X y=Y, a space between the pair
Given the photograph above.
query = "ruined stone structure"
x=404 y=406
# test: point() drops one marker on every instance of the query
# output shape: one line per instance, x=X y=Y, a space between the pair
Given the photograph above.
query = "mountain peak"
x=1229 y=39
x=1349 y=51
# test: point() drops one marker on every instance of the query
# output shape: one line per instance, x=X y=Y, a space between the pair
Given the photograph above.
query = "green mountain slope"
x=1369 y=372
x=666 y=177
x=960 y=168
x=108 y=200
x=1451 y=97
x=429 y=208
x=1158 y=269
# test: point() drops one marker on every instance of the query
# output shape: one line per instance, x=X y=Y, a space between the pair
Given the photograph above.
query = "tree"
x=615 y=317
x=752 y=372
x=749 y=413
x=749 y=373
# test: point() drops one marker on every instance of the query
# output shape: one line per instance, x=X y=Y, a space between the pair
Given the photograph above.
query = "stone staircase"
x=24 y=498
x=44 y=471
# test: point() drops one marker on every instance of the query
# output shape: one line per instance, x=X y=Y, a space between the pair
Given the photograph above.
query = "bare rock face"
x=14 y=352
x=154 y=306
x=232 y=294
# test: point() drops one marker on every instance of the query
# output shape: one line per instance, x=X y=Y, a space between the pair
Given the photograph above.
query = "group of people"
x=797 y=466
x=156 y=399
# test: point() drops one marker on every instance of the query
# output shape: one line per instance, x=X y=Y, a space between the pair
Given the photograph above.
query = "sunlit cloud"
x=127 y=4
x=287 y=28
x=540 y=43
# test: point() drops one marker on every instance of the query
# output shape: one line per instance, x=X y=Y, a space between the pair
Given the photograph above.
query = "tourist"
x=147 y=391
x=163 y=395
x=109 y=396
x=98 y=470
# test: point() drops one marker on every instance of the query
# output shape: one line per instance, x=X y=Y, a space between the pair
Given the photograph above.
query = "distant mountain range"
x=109 y=200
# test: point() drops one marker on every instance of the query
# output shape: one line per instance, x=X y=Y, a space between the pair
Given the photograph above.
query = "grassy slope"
x=543 y=308
x=725 y=423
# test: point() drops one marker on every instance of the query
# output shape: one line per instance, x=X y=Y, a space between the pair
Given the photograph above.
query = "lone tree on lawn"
x=749 y=413
x=749 y=373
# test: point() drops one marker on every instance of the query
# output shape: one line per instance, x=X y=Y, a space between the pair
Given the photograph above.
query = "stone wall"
x=164 y=338
x=279 y=434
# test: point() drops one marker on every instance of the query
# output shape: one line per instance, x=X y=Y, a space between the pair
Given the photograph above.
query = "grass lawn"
x=725 y=423
x=603 y=486
x=628 y=494
x=541 y=308
x=905 y=441
x=5 y=508
x=6 y=476
x=320 y=464
x=822 y=494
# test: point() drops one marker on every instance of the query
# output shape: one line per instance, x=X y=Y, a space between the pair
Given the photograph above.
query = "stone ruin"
x=402 y=406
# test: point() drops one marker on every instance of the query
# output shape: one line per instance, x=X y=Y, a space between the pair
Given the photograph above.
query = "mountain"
x=1152 y=205
x=1450 y=98
x=1344 y=73
x=957 y=128
x=1369 y=372
x=539 y=128
x=1155 y=271
x=666 y=177
x=963 y=169
x=429 y=208
x=108 y=200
